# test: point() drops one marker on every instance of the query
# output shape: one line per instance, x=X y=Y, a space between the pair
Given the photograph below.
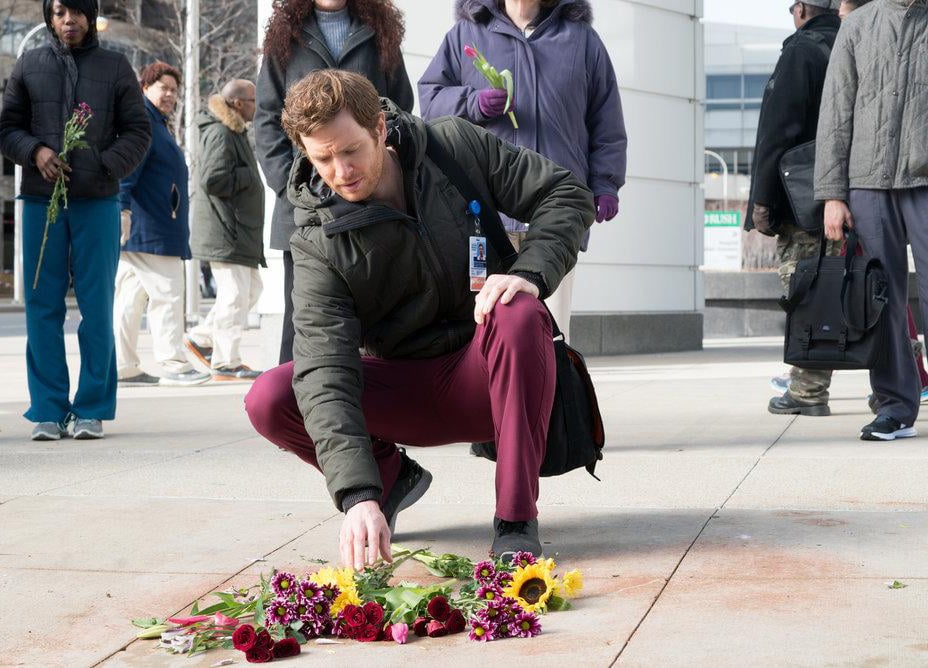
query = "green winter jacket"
x=228 y=222
x=369 y=276
x=874 y=115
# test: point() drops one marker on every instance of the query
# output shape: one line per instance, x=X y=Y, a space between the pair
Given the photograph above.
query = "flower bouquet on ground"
x=501 y=80
x=74 y=131
x=274 y=618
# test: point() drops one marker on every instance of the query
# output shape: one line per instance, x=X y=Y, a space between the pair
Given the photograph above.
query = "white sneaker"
x=183 y=378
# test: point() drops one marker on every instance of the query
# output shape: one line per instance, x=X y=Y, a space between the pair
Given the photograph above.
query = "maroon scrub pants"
x=499 y=387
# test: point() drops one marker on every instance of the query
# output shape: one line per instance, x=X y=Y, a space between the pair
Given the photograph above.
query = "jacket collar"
x=225 y=114
x=480 y=11
x=358 y=33
x=155 y=113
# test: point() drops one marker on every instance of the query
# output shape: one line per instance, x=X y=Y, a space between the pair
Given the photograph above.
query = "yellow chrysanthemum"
x=343 y=578
x=532 y=586
x=573 y=582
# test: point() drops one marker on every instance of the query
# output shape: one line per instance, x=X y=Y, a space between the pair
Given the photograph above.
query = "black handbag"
x=834 y=312
x=797 y=172
x=575 y=432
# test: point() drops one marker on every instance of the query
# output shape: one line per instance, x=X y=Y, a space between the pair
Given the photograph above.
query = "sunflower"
x=343 y=578
x=532 y=586
x=573 y=582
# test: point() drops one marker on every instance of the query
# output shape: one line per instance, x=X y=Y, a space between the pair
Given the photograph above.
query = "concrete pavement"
x=720 y=535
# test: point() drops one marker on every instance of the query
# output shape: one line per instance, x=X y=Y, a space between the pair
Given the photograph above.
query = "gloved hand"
x=125 y=226
x=492 y=102
x=607 y=207
x=761 y=219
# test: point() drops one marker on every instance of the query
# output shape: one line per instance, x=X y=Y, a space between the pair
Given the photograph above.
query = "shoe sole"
x=908 y=432
x=811 y=411
x=123 y=383
x=86 y=436
x=227 y=379
x=46 y=437
x=414 y=495
x=181 y=383
x=196 y=353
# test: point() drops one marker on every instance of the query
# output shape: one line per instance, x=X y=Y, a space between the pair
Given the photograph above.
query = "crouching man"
x=383 y=263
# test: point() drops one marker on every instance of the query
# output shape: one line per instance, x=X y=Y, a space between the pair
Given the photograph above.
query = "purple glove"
x=492 y=102
x=607 y=206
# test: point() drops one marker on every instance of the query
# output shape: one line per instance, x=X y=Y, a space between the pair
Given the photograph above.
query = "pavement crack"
x=699 y=534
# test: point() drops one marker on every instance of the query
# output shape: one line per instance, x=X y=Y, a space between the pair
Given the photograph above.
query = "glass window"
x=723 y=106
x=754 y=85
x=723 y=86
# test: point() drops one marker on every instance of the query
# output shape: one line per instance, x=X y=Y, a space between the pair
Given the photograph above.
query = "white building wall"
x=647 y=259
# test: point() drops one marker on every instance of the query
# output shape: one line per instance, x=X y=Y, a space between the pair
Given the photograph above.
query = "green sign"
x=723 y=219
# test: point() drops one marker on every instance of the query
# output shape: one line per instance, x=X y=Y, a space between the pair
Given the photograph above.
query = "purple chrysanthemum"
x=485 y=572
x=283 y=584
x=308 y=591
x=481 y=631
x=316 y=625
x=280 y=611
x=329 y=592
x=489 y=593
x=526 y=625
x=523 y=559
x=503 y=630
x=495 y=612
x=502 y=580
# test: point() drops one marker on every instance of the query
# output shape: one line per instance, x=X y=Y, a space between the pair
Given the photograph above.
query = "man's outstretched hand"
x=500 y=288
x=364 y=536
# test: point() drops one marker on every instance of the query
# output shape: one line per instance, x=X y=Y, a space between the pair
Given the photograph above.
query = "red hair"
x=382 y=16
x=155 y=71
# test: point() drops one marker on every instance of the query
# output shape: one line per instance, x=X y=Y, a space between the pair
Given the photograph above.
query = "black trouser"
x=286 y=334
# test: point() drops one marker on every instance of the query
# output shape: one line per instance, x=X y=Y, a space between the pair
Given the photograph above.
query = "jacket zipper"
x=433 y=258
x=175 y=201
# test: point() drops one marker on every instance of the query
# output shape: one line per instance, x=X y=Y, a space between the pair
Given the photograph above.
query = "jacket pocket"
x=863 y=143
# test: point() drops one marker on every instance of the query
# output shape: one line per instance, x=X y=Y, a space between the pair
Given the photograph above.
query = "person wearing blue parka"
x=155 y=238
x=82 y=247
x=565 y=97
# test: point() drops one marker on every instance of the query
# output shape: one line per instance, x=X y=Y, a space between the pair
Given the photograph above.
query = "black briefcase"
x=834 y=312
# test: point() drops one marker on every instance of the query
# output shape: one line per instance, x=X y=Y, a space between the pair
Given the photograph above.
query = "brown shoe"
x=240 y=372
x=202 y=353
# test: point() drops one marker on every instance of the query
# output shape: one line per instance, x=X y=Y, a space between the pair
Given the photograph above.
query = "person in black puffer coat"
x=82 y=247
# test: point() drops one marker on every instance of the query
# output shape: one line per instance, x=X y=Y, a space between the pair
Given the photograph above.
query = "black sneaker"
x=886 y=428
x=409 y=487
x=790 y=405
x=512 y=537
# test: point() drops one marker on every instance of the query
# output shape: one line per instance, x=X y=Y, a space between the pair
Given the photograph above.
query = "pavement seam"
x=226 y=579
x=142 y=466
x=699 y=533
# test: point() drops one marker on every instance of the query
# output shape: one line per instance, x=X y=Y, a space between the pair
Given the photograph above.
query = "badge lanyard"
x=477 y=250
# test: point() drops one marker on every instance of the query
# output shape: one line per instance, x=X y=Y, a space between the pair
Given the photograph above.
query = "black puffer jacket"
x=35 y=112
x=789 y=112
x=275 y=150
x=367 y=275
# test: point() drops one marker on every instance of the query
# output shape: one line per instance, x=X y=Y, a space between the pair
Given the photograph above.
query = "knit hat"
x=824 y=4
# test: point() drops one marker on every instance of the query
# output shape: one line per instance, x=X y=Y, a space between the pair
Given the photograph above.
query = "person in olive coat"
x=82 y=247
x=303 y=36
x=228 y=228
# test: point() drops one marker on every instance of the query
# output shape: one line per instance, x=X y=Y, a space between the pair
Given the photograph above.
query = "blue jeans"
x=83 y=245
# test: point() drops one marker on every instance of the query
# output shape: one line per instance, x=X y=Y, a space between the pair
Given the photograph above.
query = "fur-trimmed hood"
x=226 y=114
x=479 y=11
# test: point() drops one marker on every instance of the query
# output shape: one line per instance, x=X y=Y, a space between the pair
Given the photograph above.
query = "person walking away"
x=41 y=94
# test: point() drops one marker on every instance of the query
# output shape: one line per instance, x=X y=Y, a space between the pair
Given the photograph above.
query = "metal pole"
x=713 y=154
x=191 y=137
x=18 y=286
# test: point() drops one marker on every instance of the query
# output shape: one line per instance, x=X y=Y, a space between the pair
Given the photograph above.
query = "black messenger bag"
x=834 y=312
x=575 y=432
x=797 y=172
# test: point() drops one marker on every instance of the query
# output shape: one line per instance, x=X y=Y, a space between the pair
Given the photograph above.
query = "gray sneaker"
x=512 y=537
x=141 y=380
x=49 y=431
x=410 y=485
x=183 y=378
x=87 y=429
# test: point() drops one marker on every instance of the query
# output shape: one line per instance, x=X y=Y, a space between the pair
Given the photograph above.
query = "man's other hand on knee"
x=500 y=288
x=364 y=536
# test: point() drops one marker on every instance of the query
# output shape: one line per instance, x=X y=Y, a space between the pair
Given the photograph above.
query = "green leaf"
x=195 y=610
x=147 y=622
x=897 y=585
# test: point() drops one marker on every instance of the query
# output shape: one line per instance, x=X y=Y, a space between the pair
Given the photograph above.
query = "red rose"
x=354 y=616
x=368 y=633
x=439 y=609
x=455 y=623
x=258 y=655
x=264 y=640
x=436 y=629
x=419 y=627
x=286 y=647
x=373 y=612
x=244 y=637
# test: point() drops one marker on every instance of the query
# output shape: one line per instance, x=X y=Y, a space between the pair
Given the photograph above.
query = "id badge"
x=478 y=263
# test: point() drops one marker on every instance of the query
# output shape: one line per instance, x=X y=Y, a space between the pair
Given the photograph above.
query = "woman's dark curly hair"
x=382 y=16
